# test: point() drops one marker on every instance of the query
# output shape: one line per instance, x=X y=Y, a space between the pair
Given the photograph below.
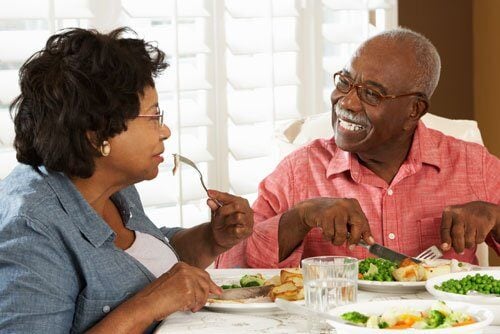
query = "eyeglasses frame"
x=383 y=97
x=159 y=115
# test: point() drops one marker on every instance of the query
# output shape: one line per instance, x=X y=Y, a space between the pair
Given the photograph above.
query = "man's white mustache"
x=347 y=116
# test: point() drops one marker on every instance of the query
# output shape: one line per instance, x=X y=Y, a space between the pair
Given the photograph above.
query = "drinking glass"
x=329 y=281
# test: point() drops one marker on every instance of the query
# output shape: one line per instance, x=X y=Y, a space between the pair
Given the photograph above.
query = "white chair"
x=302 y=131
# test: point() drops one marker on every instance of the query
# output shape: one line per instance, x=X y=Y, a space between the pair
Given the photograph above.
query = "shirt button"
x=392 y=236
x=106 y=309
x=390 y=192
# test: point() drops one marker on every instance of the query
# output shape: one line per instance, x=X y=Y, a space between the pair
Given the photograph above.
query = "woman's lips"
x=159 y=158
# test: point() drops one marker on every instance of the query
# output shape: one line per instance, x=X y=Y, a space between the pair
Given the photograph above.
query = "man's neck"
x=386 y=161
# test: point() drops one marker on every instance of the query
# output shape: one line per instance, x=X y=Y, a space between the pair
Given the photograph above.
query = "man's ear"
x=419 y=108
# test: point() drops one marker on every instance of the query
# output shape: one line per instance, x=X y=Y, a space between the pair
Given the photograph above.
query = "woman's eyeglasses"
x=365 y=93
x=158 y=116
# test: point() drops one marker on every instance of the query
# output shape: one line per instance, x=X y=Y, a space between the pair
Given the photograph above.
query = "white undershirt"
x=153 y=254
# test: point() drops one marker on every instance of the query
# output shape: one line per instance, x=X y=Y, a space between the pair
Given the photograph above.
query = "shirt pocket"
x=90 y=311
x=429 y=232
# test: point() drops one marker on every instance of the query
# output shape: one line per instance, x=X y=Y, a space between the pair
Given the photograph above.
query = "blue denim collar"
x=90 y=224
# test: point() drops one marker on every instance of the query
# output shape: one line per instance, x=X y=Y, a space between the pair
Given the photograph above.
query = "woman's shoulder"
x=26 y=193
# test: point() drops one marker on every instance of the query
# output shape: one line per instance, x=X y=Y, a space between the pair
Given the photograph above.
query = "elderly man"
x=384 y=177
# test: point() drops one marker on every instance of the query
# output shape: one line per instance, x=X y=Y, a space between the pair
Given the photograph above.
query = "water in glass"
x=329 y=281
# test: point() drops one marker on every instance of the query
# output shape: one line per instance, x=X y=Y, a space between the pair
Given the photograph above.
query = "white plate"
x=228 y=276
x=482 y=314
x=391 y=287
x=492 y=303
x=403 y=287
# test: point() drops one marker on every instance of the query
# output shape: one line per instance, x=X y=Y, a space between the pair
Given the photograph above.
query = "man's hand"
x=341 y=219
x=231 y=223
x=464 y=226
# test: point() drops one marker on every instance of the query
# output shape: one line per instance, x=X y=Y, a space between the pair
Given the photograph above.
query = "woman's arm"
x=182 y=288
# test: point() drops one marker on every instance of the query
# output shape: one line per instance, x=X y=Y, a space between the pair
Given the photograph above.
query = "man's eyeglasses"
x=365 y=93
x=158 y=116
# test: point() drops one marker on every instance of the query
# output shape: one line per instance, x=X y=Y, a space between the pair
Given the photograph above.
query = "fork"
x=178 y=157
x=430 y=253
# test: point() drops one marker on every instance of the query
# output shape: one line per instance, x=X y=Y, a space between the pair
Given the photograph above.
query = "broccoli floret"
x=383 y=324
x=435 y=319
x=355 y=317
x=252 y=280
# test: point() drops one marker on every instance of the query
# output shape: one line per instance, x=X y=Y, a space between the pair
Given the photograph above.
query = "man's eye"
x=371 y=93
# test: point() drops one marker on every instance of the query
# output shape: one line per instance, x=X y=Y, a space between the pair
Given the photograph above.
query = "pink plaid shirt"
x=405 y=215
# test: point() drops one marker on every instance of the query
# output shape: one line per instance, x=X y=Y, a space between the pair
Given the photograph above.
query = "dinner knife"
x=243 y=293
x=386 y=253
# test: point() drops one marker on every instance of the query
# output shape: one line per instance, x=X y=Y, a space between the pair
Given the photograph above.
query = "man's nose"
x=351 y=101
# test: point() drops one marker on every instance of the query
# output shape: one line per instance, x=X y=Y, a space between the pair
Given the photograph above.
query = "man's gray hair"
x=426 y=56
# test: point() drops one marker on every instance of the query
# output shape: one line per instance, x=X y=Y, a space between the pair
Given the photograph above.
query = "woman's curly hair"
x=82 y=82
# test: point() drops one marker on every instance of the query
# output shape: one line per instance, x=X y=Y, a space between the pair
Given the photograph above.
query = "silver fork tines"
x=192 y=164
x=430 y=253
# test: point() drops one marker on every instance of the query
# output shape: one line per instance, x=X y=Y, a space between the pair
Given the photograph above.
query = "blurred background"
x=241 y=70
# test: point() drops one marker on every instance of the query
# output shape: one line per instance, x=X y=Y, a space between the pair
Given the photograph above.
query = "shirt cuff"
x=263 y=249
x=490 y=241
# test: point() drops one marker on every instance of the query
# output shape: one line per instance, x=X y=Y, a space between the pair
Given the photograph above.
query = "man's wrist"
x=300 y=211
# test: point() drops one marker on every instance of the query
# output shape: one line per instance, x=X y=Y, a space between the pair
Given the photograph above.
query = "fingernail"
x=462 y=253
x=444 y=245
x=371 y=240
x=351 y=247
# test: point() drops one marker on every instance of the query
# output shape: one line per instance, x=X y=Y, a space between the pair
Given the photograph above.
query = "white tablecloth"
x=269 y=322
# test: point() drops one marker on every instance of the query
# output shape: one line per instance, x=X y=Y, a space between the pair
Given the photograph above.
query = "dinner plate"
x=391 y=287
x=482 y=315
x=229 y=276
x=493 y=303
x=407 y=287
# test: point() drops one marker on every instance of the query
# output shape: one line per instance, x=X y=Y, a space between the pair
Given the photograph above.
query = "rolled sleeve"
x=37 y=284
x=492 y=185
x=263 y=247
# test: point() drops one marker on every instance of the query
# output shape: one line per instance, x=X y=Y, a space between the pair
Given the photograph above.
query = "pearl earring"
x=105 y=148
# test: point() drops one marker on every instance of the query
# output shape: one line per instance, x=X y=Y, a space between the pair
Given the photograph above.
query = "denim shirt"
x=60 y=271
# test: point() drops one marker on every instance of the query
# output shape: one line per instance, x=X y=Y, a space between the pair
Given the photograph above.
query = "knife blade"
x=243 y=293
x=386 y=253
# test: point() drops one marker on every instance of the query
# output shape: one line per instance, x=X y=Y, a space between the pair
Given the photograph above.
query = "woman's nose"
x=165 y=132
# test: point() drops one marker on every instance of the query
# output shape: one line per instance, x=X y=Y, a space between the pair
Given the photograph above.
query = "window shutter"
x=239 y=71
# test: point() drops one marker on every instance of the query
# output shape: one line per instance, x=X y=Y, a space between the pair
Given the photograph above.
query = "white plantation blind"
x=239 y=70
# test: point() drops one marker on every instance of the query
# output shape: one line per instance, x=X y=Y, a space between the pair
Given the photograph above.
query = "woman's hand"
x=231 y=223
x=183 y=288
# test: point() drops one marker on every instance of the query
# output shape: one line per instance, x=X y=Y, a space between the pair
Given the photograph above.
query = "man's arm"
x=464 y=226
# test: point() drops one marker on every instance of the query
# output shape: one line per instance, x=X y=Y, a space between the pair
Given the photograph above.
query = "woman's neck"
x=96 y=190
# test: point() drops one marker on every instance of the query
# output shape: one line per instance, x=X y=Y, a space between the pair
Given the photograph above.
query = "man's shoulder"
x=451 y=147
x=318 y=149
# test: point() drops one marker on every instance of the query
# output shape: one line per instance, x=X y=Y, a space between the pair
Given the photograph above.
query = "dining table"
x=268 y=320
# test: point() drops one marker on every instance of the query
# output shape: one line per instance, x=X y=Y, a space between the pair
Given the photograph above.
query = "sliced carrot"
x=399 y=326
x=360 y=276
x=466 y=322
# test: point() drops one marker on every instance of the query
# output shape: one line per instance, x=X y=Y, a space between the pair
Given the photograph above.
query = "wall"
x=487 y=71
x=451 y=32
x=465 y=33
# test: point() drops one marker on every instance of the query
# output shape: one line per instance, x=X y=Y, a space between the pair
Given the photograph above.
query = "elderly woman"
x=77 y=252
